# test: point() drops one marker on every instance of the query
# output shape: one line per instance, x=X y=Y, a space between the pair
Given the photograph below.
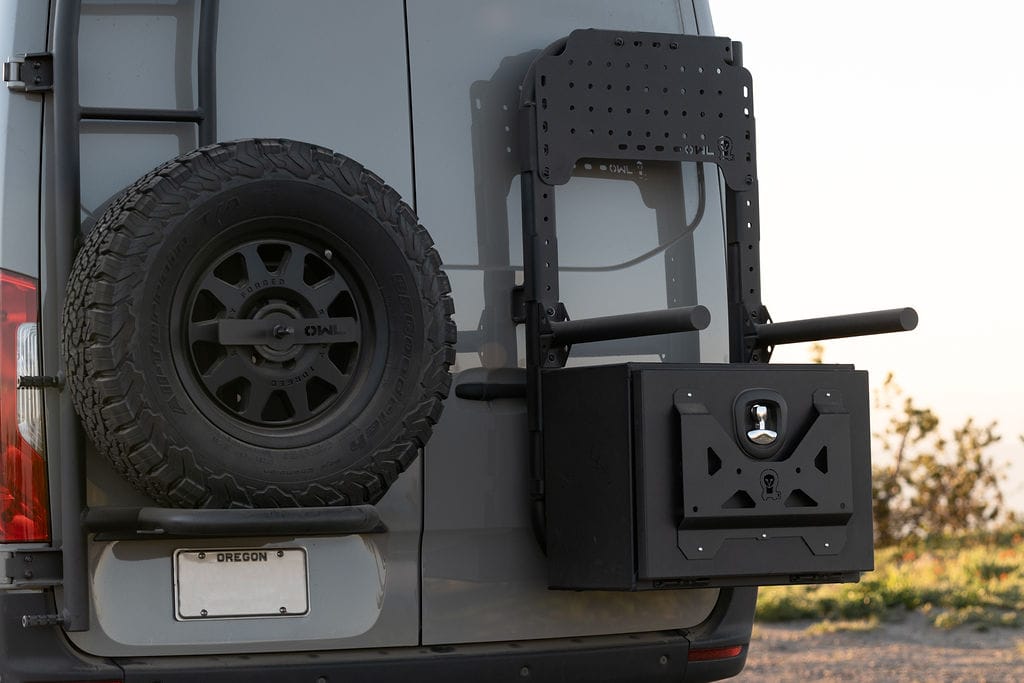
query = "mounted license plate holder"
x=671 y=475
x=233 y=583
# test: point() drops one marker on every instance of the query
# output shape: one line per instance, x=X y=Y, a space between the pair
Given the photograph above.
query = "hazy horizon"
x=888 y=164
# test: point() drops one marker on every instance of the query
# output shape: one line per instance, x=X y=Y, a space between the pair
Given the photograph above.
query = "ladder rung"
x=129 y=114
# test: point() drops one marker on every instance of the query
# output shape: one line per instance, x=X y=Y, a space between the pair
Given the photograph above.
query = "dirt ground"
x=910 y=649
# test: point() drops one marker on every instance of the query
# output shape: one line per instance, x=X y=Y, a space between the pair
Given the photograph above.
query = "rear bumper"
x=43 y=654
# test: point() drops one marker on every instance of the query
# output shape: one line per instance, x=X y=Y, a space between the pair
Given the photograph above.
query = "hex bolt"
x=663 y=660
x=282 y=331
x=619 y=42
x=328 y=254
x=524 y=672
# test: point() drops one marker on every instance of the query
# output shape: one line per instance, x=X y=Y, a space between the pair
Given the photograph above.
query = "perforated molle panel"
x=616 y=95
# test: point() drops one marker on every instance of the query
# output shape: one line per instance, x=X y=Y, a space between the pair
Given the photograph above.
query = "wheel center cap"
x=280 y=319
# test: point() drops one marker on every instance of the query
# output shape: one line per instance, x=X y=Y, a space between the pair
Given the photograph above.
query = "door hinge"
x=38 y=568
x=31 y=72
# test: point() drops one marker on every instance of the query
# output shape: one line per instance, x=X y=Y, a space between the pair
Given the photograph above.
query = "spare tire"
x=259 y=323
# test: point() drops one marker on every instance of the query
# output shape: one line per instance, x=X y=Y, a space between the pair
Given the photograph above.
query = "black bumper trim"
x=659 y=656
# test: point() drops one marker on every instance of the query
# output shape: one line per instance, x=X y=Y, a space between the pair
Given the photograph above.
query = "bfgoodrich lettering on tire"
x=259 y=323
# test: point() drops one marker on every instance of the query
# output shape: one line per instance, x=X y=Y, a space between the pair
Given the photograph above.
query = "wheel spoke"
x=256 y=270
x=293 y=265
x=323 y=293
x=329 y=372
x=300 y=402
x=231 y=367
x=259 y=394
x=204 y=331
x=227 y=294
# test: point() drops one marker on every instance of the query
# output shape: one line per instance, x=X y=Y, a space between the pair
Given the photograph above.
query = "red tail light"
x=712 y=653
x=24 y=502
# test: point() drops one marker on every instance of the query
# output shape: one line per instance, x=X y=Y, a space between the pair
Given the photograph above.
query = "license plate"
x=215 y=583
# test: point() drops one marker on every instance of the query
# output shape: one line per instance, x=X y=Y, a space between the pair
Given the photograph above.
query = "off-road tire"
x=134 y=370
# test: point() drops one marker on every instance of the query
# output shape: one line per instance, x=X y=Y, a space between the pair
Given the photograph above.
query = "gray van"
x=253 y=429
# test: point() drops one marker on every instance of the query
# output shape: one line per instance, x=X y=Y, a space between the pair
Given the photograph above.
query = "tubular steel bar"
x=153 y=522
x=123 y=114
x=206 y=72
x=837 y=326
x=61 y=238
x=67 y=218
x=688 y=319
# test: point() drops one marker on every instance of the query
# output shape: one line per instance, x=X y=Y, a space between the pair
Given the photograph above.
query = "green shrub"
x=975 y=579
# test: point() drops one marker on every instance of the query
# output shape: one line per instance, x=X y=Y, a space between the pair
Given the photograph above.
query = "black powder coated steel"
x=637 y=96
x=648 y=485
x=62 y=232
x=631 y=96
x=721 y=508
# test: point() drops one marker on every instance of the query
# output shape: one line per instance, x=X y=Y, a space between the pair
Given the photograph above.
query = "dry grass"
x=975 y=580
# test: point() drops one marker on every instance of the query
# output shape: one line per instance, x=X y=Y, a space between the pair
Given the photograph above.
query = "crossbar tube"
x=128 y=114
x=685 y=319
x=837 y=327
x=154 y=521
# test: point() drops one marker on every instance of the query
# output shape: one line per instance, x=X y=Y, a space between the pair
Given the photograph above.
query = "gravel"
x=910 y=649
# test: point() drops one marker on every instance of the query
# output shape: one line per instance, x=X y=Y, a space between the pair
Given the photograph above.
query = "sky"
x=891 y=173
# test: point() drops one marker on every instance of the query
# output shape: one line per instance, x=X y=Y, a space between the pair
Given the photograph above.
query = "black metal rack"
x=67 y=117
x=616 y=95
x=601 y=94
x=61 y=233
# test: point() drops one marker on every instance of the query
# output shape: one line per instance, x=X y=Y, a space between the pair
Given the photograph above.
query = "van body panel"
x=22 y=30
x=274 y=66
x=484 y=575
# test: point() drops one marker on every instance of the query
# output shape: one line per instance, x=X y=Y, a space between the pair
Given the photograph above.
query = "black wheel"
x=259 y=323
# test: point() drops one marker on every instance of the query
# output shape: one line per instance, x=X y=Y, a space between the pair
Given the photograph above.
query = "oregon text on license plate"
x=213 y=583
